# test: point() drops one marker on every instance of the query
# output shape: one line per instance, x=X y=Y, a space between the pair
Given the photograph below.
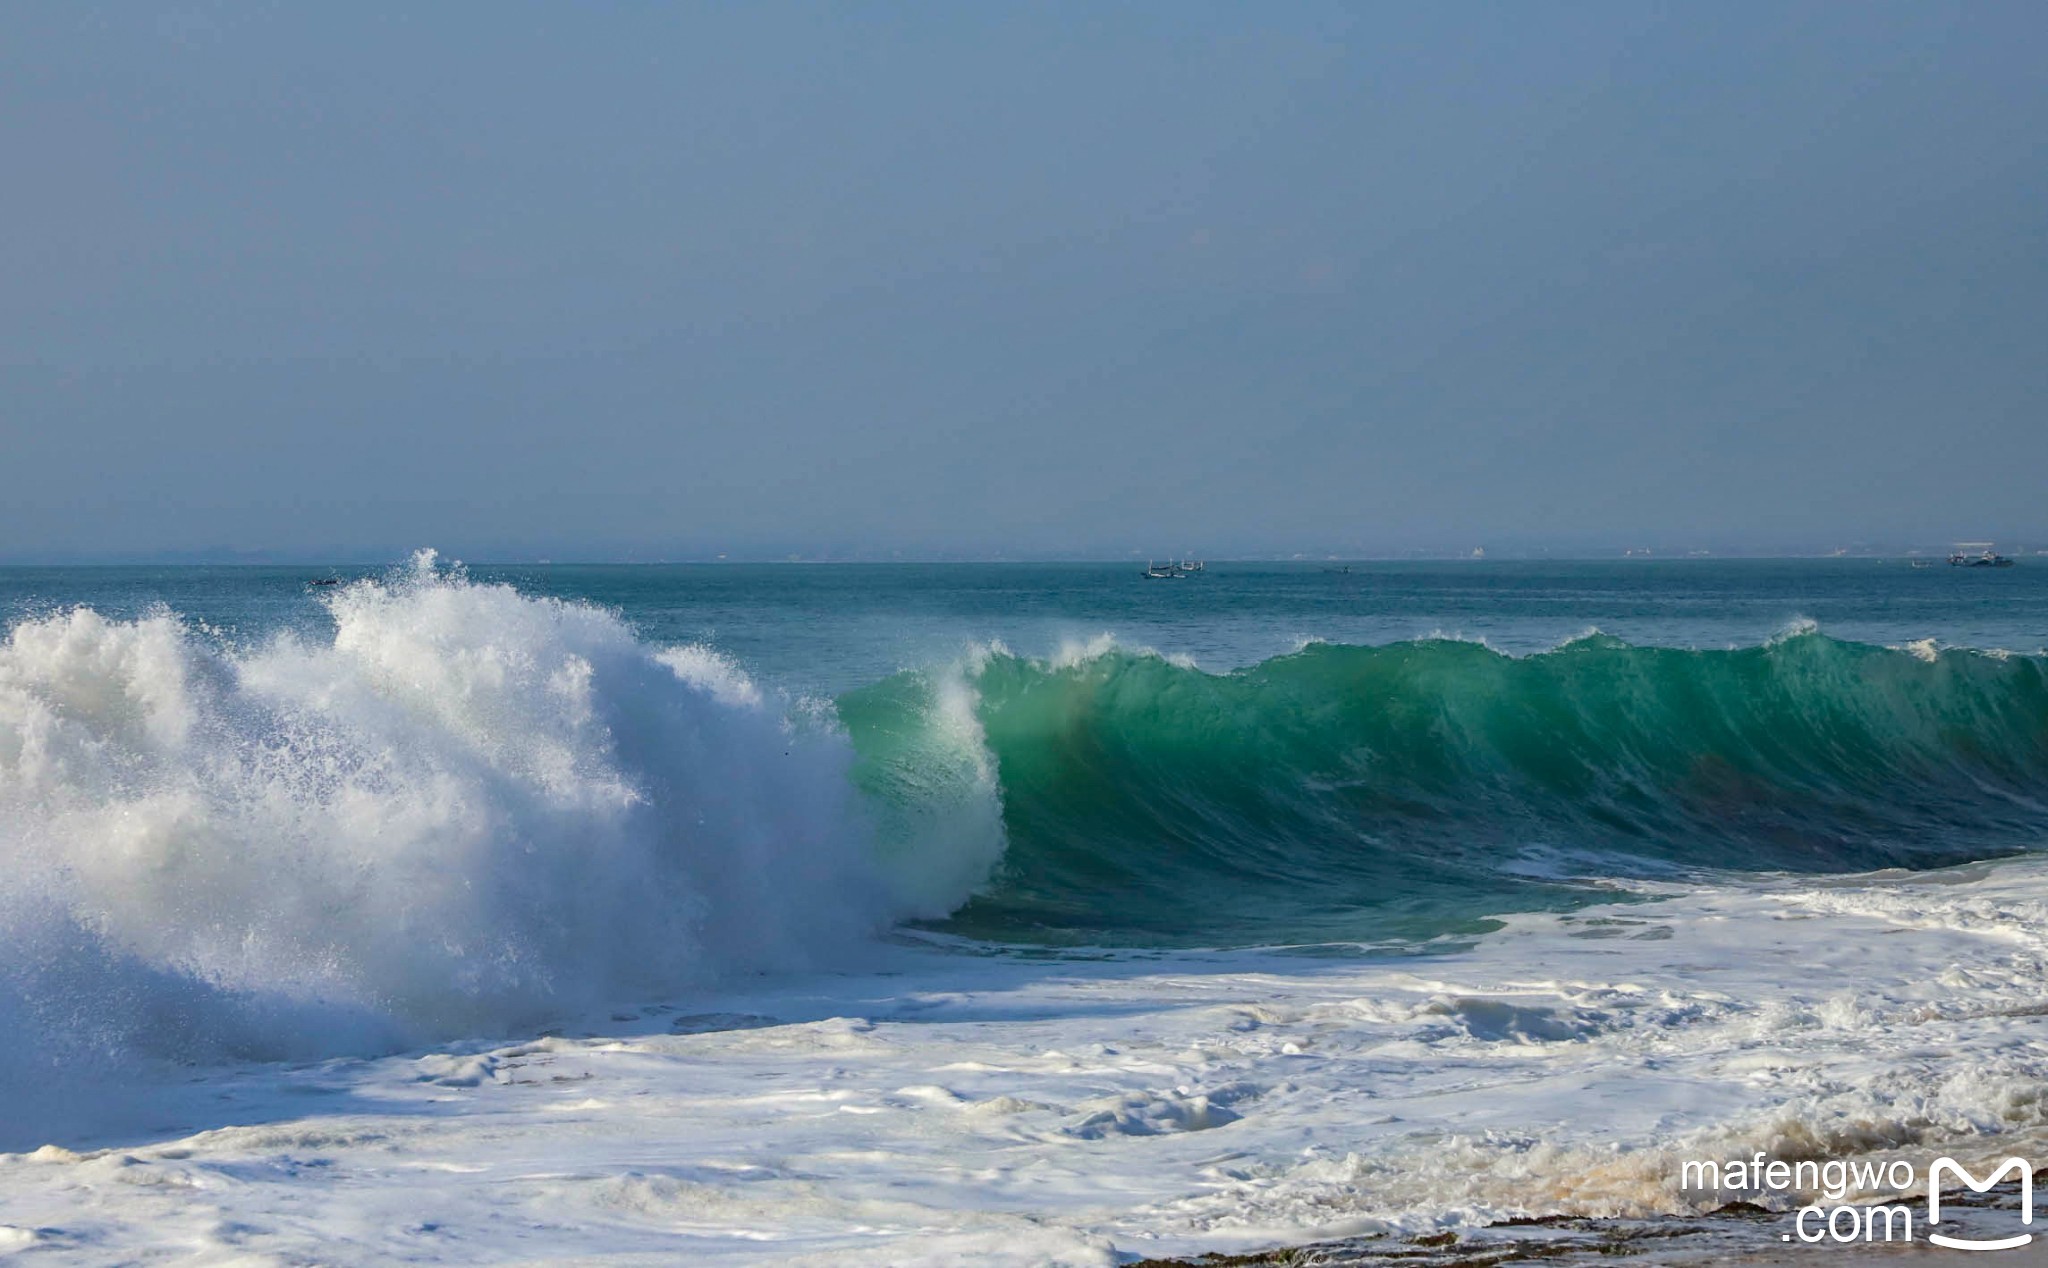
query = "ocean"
x=1004 y=913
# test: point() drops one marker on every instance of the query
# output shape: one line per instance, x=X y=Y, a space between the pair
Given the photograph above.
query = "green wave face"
x=1347 y=793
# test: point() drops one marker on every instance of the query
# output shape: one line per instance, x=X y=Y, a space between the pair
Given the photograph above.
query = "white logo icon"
x=2018 y=1165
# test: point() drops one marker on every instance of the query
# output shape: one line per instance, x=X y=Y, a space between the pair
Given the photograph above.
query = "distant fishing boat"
x=1977 y=555
x=1191 y=565
x=324 y=581
x=1156 y=572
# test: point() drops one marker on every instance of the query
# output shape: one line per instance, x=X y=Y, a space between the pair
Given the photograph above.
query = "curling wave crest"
x=1405 y=790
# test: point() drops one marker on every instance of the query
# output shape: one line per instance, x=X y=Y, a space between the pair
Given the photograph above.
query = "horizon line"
x=358 y=559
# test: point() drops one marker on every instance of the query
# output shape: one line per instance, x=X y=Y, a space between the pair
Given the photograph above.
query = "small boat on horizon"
x=1977 y=555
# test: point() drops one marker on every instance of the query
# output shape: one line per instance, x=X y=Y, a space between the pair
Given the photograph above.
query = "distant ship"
x=1172 y=570
x=1977 y=555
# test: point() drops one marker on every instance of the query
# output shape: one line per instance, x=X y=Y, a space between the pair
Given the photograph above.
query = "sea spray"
x=468 y=812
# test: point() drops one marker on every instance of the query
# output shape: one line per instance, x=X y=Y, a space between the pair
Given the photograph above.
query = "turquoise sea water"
x=1283 y=753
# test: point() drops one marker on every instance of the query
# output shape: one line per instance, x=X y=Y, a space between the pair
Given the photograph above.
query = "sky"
x=636 y=281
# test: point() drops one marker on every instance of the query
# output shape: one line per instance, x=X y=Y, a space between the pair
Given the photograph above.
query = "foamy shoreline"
x=1026 y=1109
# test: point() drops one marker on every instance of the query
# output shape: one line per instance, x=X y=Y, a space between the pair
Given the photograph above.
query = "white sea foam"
x=468 y=811
x=1925 y=649
x=1010 y=1110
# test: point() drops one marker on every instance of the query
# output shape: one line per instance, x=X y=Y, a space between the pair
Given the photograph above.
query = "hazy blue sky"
x=584 y=279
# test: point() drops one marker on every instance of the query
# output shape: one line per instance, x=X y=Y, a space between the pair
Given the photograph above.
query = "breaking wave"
x=470 y=811
x=1347 y=792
